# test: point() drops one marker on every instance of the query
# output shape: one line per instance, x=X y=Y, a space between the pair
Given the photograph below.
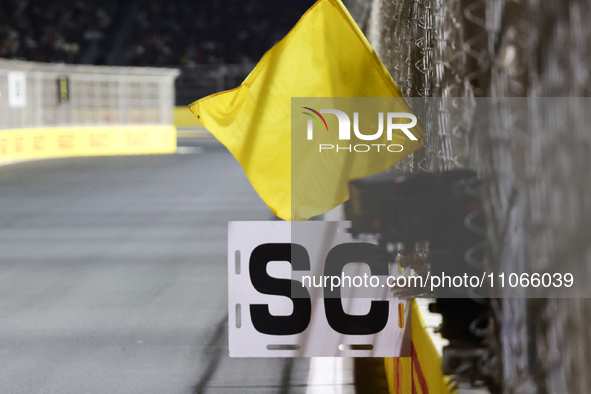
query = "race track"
x=113 y=276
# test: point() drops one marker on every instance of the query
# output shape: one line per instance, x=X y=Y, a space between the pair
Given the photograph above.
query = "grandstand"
x=144 y=33
x=195 y=36
x=58 y=31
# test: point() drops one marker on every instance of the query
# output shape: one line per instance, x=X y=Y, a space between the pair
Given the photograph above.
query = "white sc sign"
x=275 y=312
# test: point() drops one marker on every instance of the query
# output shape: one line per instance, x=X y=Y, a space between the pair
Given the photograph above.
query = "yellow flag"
x=324 y=55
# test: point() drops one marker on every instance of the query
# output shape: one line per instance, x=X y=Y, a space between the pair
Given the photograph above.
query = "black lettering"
x=262 y=319
x=377 y=317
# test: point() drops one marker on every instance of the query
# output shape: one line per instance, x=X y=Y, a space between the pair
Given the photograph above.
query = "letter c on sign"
x=377 y=317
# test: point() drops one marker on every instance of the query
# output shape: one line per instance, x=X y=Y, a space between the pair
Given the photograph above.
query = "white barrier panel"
x=45 y=95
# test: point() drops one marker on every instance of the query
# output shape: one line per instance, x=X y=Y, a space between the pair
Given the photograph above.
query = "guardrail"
x=58 y=110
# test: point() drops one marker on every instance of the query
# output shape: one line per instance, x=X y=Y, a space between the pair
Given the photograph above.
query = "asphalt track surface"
x=113 y=277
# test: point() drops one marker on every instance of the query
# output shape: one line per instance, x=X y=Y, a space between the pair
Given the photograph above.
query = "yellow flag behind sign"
x=324 y=55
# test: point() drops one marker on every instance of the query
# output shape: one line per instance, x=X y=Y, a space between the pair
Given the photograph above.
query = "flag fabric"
x=324 y=55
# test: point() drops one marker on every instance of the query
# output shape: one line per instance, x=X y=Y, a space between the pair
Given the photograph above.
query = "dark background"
x=144 y=33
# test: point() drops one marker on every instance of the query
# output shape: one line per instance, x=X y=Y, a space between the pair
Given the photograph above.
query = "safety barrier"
x=58 y=110
x=53 y=142
x=420 y=373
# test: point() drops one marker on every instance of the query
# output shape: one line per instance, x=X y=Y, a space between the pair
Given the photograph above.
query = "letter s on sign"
x=262 y=320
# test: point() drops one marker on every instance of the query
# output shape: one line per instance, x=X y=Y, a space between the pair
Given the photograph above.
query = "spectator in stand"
x=52 y=31
x=161 y=32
